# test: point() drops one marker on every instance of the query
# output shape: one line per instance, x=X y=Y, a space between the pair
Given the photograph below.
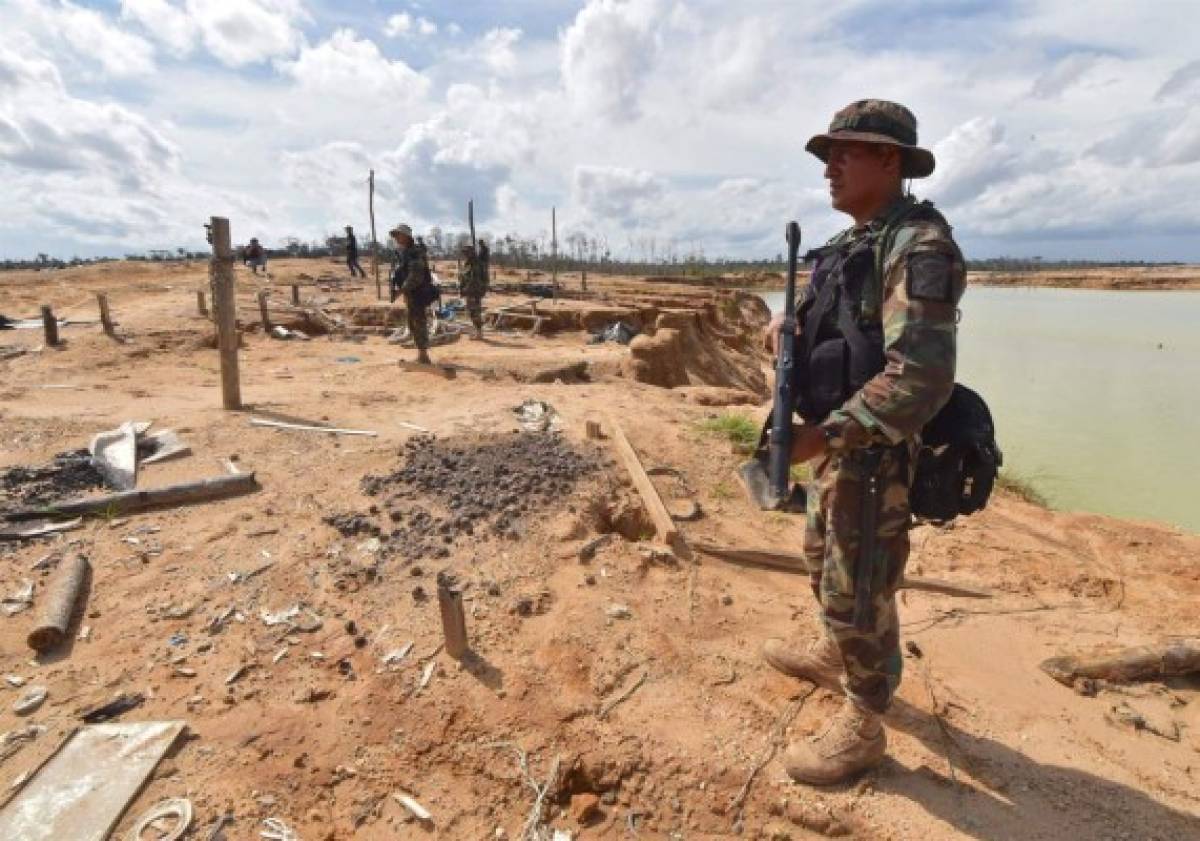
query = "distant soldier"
x=412 y=279
x=352 y=254
x=875 y=362
x=255 y=256
x=473 y=285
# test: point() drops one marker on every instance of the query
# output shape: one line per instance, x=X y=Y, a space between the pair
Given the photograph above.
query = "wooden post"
x=105 y=316
x=263 y=312
x=201 y=307
x=374 y=243
x=583 y=278
x=50 y=325
x=225 y=312
x=554 y=251
x=59 y=607
x=454 y=622
x=296 y=294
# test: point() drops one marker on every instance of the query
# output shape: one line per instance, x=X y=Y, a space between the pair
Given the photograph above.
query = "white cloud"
x=497 y=49
x=1184 y=82
x=973 y=157
x=404 y=25
x=87 y=33
x=607 y=53
x=240 y=32
x=164 y=21
x=617 y=194
x=353 y=67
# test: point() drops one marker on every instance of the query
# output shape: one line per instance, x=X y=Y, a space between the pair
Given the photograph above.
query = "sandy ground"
x=656 y=721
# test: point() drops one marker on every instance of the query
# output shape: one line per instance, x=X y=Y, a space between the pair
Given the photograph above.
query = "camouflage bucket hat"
x=401 y=229
x=877 y=121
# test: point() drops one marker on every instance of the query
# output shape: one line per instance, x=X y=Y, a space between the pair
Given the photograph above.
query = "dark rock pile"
x=69 y=475
x=488 y=486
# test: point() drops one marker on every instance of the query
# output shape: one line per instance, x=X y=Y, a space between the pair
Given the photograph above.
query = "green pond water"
x=1095 y=394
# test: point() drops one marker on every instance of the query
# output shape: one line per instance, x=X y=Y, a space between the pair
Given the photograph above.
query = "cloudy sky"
x=1061 y=128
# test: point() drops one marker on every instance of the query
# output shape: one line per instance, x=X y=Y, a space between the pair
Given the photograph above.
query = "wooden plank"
x=186 y=493
x=49 y=326
x=105 y=316
x=792 y=562
x=664 y=526
x=306 y=428
x=264 y=312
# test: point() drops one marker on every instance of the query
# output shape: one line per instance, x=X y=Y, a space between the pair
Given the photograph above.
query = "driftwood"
x=789 y=562
x=123 y=502
x=667 y=531
x=1143 y=662
x=61 y=596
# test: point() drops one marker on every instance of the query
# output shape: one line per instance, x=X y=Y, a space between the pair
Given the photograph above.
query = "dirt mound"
x=716 y=348
x=489 y=484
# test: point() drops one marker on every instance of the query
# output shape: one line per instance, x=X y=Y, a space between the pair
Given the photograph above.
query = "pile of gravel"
x=449 y=489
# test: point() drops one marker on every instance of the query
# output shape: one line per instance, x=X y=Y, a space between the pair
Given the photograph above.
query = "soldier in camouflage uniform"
x=473 y=285
x=893 y=281
x=412 y=279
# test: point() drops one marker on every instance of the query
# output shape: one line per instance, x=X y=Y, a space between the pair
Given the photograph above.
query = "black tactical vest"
x=841 y=338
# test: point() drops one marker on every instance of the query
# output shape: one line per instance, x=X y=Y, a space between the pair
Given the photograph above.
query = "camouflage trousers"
x=871 y=659
x=475 y=310
x=418 y=324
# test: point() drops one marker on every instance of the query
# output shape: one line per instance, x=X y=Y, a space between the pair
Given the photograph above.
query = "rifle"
x=767 y=477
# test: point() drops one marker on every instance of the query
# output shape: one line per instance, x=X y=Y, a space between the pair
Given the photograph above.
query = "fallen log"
x=61 y=596
x=1143 y=662
x=123 y=502
x=667 y=531
x=790 y=562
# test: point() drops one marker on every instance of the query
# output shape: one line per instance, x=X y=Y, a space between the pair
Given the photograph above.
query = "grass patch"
x=723 y=491
x=1023 y=487
x=738 y=428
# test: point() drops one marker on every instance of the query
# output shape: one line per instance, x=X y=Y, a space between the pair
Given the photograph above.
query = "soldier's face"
x=859 y=175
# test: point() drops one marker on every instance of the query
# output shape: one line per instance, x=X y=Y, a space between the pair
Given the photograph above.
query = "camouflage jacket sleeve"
x=924 y=279
x=415 y=271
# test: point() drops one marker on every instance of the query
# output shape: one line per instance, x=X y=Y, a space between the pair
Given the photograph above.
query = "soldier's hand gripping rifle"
x=767 y=476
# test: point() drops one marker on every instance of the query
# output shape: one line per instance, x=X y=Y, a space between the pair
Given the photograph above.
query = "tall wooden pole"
x=554 y=249
x=225 y=312
x=49 y=325
x=105 y=316
x=374 y=241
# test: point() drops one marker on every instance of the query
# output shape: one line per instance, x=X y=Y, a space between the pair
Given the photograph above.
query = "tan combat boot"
x=821 y=663
x=852 y=742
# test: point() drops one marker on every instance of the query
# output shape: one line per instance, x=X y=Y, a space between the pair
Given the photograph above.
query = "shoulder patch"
x=930 y=277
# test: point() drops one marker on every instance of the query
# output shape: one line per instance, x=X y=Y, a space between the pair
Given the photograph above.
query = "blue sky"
x=1061 y=129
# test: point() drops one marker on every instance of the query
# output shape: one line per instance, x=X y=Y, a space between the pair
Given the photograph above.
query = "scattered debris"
x=177 y=808
x=619 y=611
x=41 y=529
x=161 y=446
x=277 y=830
x=395 y=656
x=14 y=680
x=115 y=454
x=619 y=332
x=1124 y=714
x=280 y=332
x=427 y=674
x=12 y=741
x=685 y=510
x=668 y=533
x=1143 y=662
x=306 y=428
x=82 y=790
x=418 y=811
x=537 y=416
x=298 y=617
x=33 y=698
x=186 y=493
x=118 y=706
x=624 y=696
x=68 y=473
x=20 y=600
x=588 y=550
